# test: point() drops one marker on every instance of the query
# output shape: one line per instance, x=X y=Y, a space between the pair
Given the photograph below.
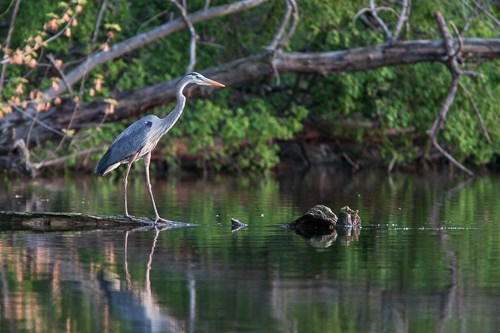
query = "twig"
x=486 y=13
x=7 y=44
x=293 y=25
x=8 y=8
x=451 y=159
x=70 y=90
x=439 y=121
x=281 y=29
x=62 y=159
x=280 y=39
x=61 y=74
x=474 y=11
x=355 y=166
x=374 y=13
x=476 y=110
x=403 y=17
x=98 y=22
x=39 y=122
x=460 y=42
x=194 y=37
x=151 y=19
x=378 y=9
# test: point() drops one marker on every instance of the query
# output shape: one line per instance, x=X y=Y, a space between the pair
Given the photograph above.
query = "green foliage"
x=238 y=138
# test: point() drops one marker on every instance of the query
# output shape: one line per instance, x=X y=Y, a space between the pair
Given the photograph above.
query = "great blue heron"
x=139 y=139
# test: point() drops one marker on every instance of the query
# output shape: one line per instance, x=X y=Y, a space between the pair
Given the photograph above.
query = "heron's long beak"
x=213 y=83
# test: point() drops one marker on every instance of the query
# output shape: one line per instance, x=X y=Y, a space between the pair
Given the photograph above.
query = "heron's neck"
x=170 y=120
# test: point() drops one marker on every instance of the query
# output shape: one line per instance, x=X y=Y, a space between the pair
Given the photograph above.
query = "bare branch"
x=439 y=121
x=451 y=55
x=451 y=158
x=378 y=9
x=374 y=13
x=62 y=159
x=39 y=122
x=61 y=74
x=403 y=17
x=460 y=42
x=476 y=110
x=194 y=37
x=486 y=13
x=293 y=25
x=8 y=8
x=98 y=22
x=475 y=12
x=278 y=40
x=7 y=45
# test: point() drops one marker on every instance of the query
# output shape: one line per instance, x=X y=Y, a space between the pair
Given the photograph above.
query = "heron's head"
x=201 y=80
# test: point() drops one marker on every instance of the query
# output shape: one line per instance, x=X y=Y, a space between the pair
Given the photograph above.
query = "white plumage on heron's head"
x=195 y=77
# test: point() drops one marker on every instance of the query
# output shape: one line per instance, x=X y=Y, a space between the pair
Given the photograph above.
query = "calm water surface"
x=426 y=259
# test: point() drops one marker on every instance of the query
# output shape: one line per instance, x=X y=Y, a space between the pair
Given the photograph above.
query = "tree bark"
x=55 y=221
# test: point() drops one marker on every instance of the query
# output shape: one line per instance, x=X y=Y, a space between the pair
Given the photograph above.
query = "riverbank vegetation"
x=391 y=83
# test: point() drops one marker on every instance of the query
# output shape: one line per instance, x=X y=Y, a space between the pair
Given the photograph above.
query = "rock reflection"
x=322 y=241
x=345 y=235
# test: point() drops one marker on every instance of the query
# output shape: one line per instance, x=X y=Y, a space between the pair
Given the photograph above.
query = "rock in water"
x=348 y=218
x=319 y=220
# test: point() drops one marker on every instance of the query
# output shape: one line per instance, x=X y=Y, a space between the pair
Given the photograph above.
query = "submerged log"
x=54 y=221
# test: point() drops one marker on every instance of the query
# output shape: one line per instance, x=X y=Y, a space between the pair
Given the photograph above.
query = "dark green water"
x=426 y=260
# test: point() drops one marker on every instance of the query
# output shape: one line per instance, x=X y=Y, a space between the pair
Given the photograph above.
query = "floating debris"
x=237 y=225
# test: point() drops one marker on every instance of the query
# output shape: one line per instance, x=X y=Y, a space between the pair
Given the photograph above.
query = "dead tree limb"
x=451 y=60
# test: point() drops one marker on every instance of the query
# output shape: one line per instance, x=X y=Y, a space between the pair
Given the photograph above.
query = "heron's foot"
x=160 y=220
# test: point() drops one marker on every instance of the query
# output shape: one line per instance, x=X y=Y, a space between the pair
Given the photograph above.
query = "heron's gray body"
x=135 y=142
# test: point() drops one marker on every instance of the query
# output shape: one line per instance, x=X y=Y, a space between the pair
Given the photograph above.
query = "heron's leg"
x=147 y=159
x=125 y=182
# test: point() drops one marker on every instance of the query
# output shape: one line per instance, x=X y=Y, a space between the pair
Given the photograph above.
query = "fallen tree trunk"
x=52 y=221
x=17 y=126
